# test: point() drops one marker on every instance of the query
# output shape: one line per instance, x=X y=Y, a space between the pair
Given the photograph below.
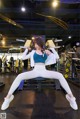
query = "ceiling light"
x=23 y=9
x=63 y=46
x=33 y=38
x=14 y=24
x=55 y=3
x=3 y=42
x=77 y=44
x=20 y=40
x=69 y=37
x=58 y=40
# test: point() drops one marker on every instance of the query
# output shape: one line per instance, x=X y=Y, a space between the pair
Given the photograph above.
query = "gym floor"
x=29 y=104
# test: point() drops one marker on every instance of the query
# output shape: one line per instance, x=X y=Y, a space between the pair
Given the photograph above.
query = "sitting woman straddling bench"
x=39 y=58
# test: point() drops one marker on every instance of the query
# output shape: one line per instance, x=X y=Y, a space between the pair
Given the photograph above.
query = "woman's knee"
x=19 y=77
x=60 y=76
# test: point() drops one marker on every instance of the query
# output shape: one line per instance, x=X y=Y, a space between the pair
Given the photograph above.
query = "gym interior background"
x=57 y=21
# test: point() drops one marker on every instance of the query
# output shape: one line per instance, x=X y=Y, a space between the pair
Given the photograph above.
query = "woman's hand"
x=47 y=52
x=29 y=48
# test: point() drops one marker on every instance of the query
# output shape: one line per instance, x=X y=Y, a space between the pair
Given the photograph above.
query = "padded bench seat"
x=39 y=83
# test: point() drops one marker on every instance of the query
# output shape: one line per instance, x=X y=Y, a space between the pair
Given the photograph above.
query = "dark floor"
x=48 y=104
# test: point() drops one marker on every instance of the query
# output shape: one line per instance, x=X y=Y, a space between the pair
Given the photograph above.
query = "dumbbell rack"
x=62 y=69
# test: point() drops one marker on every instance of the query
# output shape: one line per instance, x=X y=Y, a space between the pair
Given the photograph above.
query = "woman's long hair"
x=40 y=42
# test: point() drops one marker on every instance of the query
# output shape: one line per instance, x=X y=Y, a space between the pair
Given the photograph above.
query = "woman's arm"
x=25 y=55
x=47 y=52
x=55 y=52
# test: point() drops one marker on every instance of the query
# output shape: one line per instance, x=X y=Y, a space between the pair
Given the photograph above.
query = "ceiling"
x=39 y=25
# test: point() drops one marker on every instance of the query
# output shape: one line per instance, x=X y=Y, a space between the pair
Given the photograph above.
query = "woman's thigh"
x=51 y=74
x=28 y=75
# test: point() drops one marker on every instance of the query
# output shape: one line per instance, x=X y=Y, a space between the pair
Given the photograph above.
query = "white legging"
x=40 y=71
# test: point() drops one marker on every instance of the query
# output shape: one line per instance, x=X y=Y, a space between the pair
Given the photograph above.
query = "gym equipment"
x=67 y=67
x=68 y=64
x=67 y=70
x=39 y=83
x=2 y=84
x=75 y=68
x=66 y=76
x=21 y=85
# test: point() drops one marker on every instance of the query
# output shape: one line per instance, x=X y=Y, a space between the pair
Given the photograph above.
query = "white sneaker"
x=72 y=102
x=6 y=103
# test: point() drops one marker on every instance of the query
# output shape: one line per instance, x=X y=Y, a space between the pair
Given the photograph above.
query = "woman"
x=39 y=58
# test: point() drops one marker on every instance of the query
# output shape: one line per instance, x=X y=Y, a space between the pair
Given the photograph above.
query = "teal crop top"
x=40 y=58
